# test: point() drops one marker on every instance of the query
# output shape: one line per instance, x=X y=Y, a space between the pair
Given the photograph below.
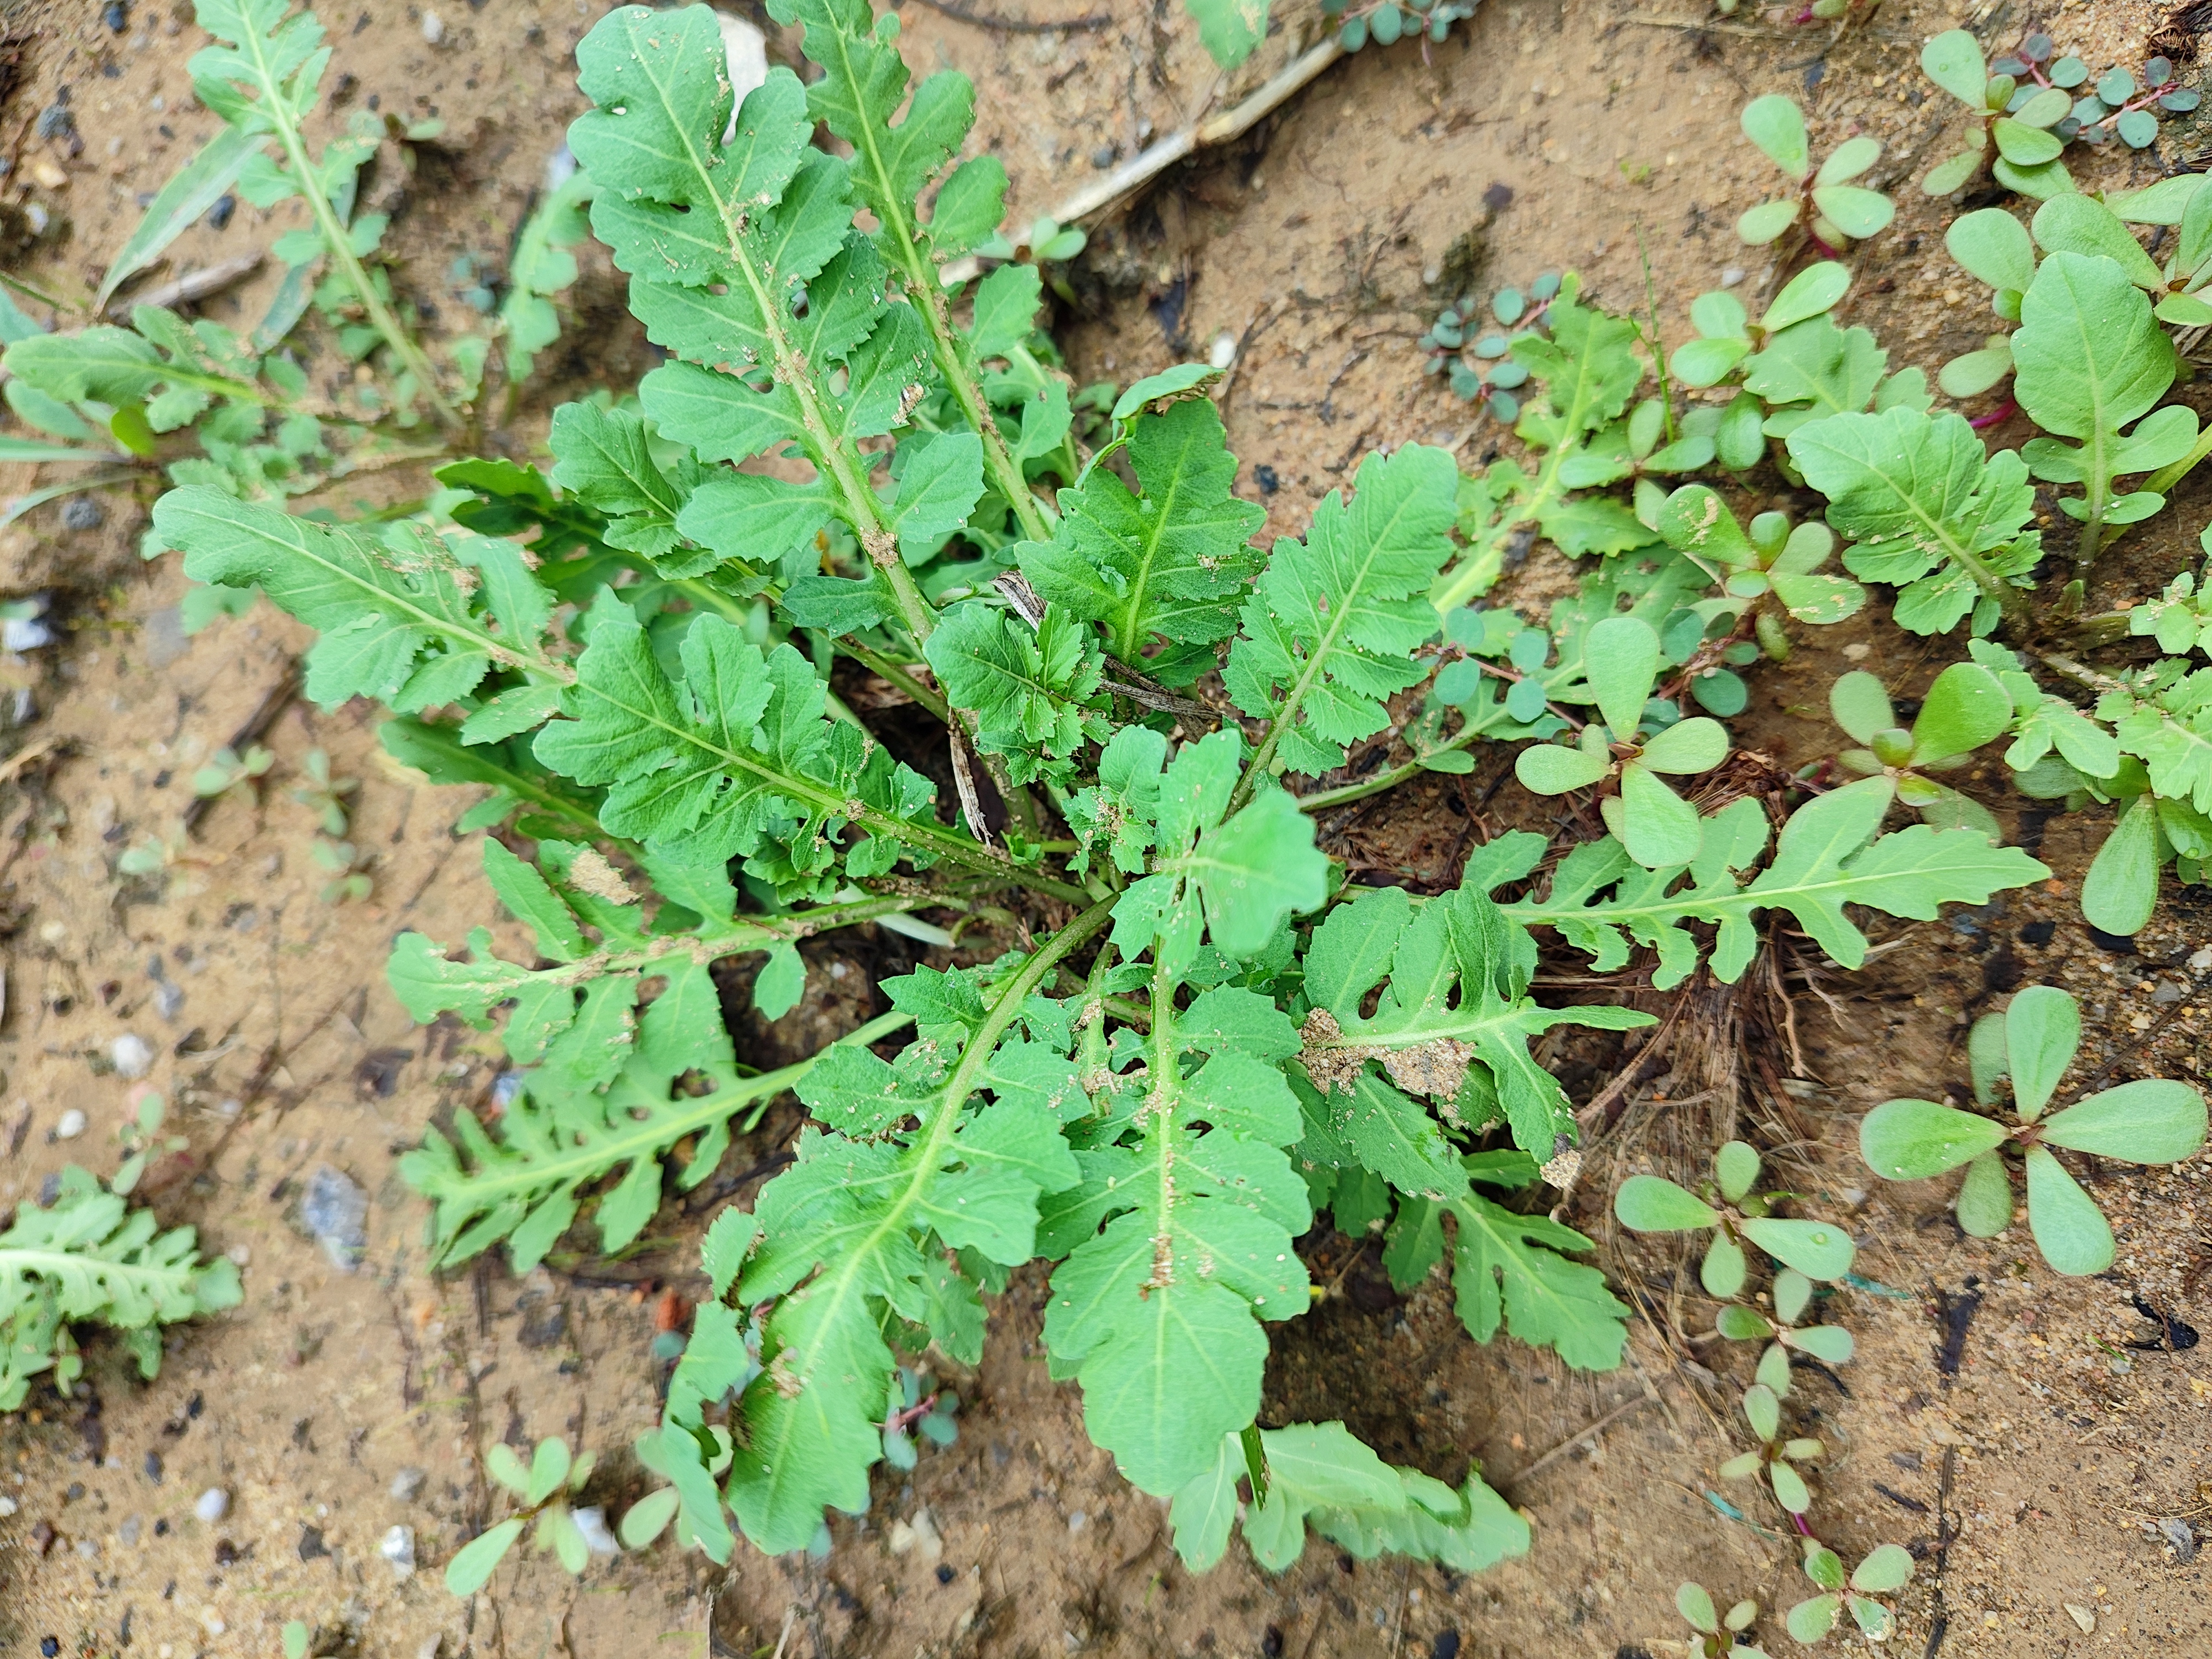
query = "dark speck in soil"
x=2119 y=945
x=311 y=1544
x=117 y=15
x=1264 y=476
x=1446 y=1646
x=946 y=1574
x=50 y=1645
x=154 y=1468
x=2037 y=932
x=82 y=512
x=219 y=215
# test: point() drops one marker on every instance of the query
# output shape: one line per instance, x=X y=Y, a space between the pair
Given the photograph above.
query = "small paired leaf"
x=647 y=1518
x=1831 y=1344
x=1653 y=1204
x=1549 y=769
x=1620 y=656
x=1810 y=1621
x=1687 y=747
x=1724 y=1269
x=1812 y=290
x=549 y=1468
x=2121 y=889
x=2043 y=1029
x=2069 y=1229
x=1762 y=1410
x=2151 y=1120
x=1913 y=1139
x=1789 y=1488
x=504 y=1466
x=1695 y=1604
x=1953 y=61
x=1760 y=225
x=1658 y=828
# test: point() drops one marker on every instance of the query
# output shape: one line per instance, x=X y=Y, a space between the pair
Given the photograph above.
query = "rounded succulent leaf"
x=1951 y=172
x=1846 y=162
x=1742 y=1466
x=2069 y=1229
x=1688 y=747
x=1741 y=1324
x=2121 y=889
x=1762 y=1410
x=1621 y=658
x=2081 y=224
x=1824 y=1566
x=1912 y=1139
x=1858 y=212
x=1695 y=1604
x=1818 y=1249
x=474 y=1563
x=1830 y=1343
x=1705 y=363
x=1953 y=61
x=1736 y=1167
x=1777 y=126
x=2151 y=1120
x=1816 y=288
x=2043 y=1029
x=1887 y=1567
x=2047 y=108
x=1653 y=1204
x=1658 y=828
x=1964 y=709
x=2023 y=145
x=1793 y=1293
x=1876 y=1622
x=1985 y=1055
x=1549 y=769
x=1740 y=1615
x=1723 y=1269
x=1985 y=1202
x=1972 y=373
x=1760 y=225
x=1773 y=1370
x=1789 y=1488
x=1810 y=1621
x=1860 y=705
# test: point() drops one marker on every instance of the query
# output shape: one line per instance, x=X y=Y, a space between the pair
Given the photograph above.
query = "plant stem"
x=336 y=242
x=878 y=664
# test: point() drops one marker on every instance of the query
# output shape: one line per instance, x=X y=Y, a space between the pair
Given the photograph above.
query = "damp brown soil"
x=2024 y=1436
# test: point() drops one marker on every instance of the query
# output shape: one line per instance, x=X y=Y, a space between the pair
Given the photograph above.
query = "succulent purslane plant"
x=1831 y=1344
x=1887 y=1568
x=1833 y=211
x=1718 y=1635
x=1735 y=1215
x=2030 y=1046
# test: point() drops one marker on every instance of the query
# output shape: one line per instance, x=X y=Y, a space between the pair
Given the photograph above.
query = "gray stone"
x=335 y=1211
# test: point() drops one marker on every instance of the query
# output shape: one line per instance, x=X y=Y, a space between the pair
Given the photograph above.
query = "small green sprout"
x=1831 y=209
x=1657 y=826
x=2151 y=1120
x=1964 y=708
x=1775 y=1457
x=1653 y=1204
x=1887 y=1567
x=545 y=1485
x=1769 y=558
x=1793 y=1293
x=2018 y=120
x=141 y=1139
x=1717 y=1631
x=325 y=795
x=226 y=769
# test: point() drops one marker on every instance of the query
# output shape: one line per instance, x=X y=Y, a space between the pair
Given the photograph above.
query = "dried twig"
x=190 y=288
x=962 y=13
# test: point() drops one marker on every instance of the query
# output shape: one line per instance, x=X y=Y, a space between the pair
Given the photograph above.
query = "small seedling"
x=1771 y=557
x=1473 y=356
x=347 y=866
x=1657 y=826
x=1833 y=209
x=917 y=1408
x=1726 y=336
x=2119 y=106
x=1887 y=1567
x=543 y=1486
x=226 y=769
x=1793 y=1293
x=1386 y=22
x=325 y=794
x=2151 y=1120
x=2017 y=119
x=141 y=1139
x=1717 y=1632
x=1964 y=708
x=1653 y=1204
x=1776 y=1457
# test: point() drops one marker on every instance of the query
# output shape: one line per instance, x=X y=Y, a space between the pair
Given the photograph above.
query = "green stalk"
x=335 y=241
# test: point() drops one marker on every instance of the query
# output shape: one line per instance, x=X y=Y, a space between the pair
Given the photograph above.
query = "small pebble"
x=50 y=1645
x=1077 y=1521
x=82 y=512
x=154 y=1468
x=2201 y=961
x=407 y=1485
x=1731 y=276
x=7 y=1507
x=167 y=999
x=1103 y=157
x=127 y=1534
x=398 y=1547
x=1225 y=349
x=132 y=1057
x=2081 y=1616
x=1446 y=1646
x=2179 y=1534
x=86 y=1548
x=212 y=1504
x=946 y=1574
x=219 y=215
x=592 y=1523
x=24 y=633
x=71 y=1125
x=434 y=27
x=335 y=1210
x=117 y=15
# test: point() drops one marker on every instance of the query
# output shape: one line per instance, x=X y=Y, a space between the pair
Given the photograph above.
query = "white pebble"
x=434 y=27
x=71 y=1127
x=2200 y=961
x=1731 y=276
x=132 y=1057
x=592 y=1523
x=7 y=1507
x=398 y=1548
x=214 y=1504
x=407 y=1485
x=1225 y=349
x=239 y=1255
